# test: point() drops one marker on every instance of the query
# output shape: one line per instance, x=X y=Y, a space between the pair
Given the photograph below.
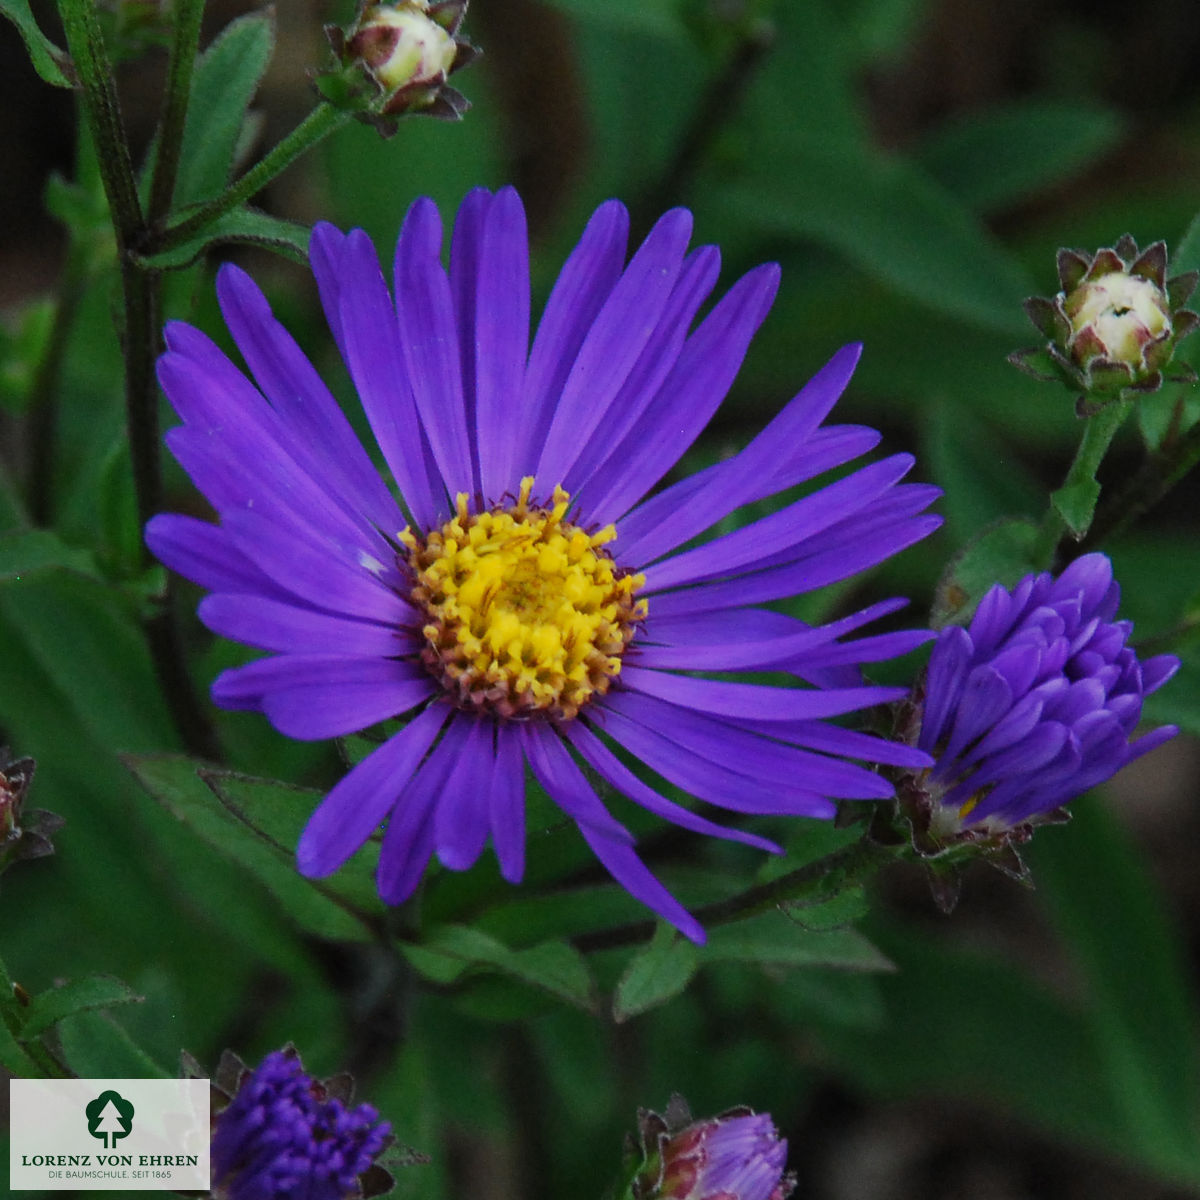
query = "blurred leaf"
x=33 y=550
x=1076 y=504
x=895 y=224
x=983 y=477
x=44 y=54
x=180 y=785
x=226 y=77
x=243 y=226
x=979 y=1029
x=96 y=1046
x=23 y=344
x=1139 y=1010
x=775 y=939
x=77 y=995
x=996 y=157
x=83 y=634
x=660 y=18
x=658 y=971
x=553 y=966
x=1002 y=553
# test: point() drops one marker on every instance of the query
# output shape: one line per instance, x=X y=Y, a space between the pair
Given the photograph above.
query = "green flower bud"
x=402 y=46
x=23 y=833
x=1114 y=325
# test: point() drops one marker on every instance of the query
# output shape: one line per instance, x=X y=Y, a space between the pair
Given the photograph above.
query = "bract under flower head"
x=516 y=602
x=1032 y=705
x=285 y=1137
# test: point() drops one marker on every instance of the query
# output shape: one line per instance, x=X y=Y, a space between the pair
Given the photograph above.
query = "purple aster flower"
x=515 y=598
x=284 y=1137
x=1034 y=704
x=736 y=1156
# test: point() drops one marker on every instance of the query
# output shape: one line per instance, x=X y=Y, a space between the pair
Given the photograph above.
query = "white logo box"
x=160 y=1145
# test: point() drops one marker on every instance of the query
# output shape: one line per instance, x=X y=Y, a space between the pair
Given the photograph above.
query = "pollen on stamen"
x=529 y=615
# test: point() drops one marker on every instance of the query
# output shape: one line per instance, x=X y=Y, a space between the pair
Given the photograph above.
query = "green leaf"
x=277 y=813
x=981 y=475
x=1002 y=553
x=95 y=1046
x=14 y=1058
x=775 y=939
x=553 y=966
x=656 y=973
x=243 y=226
x=993 y=158
x=47 y=58
x=226 y=77
x=1138 y=1001
x=1185 y=256
x=77 y=995
x=1076 y=504
x=22 y=554
x=894 y=223
x=182 y=787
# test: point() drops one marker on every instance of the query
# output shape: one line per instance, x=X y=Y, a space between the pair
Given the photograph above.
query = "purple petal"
x=506 y=806
x=613 y=344
x=429 y=340
x=460 y=824
x=203 y=553
x=673 y=517
x=706 y=778
x=756 y=701
x=312 y=712
x=565 y=785
x=582 y=287
x=292 y=629
x=687 y=399
x=360 y=800
x=409 y=838
x=501 y=331
x=619 y=776
x=376 y=362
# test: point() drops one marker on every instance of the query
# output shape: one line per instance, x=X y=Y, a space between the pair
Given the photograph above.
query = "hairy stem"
x=188 y=15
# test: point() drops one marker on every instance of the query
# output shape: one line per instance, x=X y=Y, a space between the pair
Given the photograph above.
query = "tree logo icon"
x=109 y=1117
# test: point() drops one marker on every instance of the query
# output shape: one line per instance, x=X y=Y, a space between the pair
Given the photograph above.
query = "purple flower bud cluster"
x=284 y=1137
x=1036 y=701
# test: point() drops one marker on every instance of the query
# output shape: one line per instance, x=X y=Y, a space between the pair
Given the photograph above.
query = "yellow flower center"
x=528 y=614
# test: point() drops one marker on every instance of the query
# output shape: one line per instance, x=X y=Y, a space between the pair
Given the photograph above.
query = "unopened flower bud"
x=402 y=46
x=395 y=59
x=738 y=1155
x=1115 y=324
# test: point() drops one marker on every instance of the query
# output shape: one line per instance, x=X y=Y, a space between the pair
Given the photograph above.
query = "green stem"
x=188 y=15
x=813 y=882
x=1098 y=434
x=319 y=124
x=142 y=294
x=86 y=45
x=1160 y=473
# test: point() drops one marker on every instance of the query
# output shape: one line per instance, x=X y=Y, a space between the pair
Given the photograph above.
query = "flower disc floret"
x=528 y=614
